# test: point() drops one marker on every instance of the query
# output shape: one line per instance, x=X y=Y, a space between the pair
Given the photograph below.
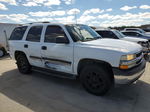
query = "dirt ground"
x=43 y=93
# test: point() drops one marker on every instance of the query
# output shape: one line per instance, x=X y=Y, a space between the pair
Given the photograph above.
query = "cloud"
x=126 y=8
x=67 y=19
x=3 y=16
x=109 y=10
x=73 y=11
x=145 y=7
x=17 y=18
x=39 y=14
x=68 y=2
x=106 y=20
x=44 y=19
x=58 y=13
x=94 y=11
x=85 y=18
x=11 y=2
x=47 y=14
x=105 y=16
x=29 y=4
x=3 y=7
x=127 y=19
x=52 y=2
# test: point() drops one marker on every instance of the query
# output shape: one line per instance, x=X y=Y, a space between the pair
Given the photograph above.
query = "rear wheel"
x=23 y=64
x=95 y=79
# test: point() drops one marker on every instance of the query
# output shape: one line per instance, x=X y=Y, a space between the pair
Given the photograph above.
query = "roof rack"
x=39 y=22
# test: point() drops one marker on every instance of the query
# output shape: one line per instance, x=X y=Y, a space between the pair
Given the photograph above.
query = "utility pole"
x=75 y=15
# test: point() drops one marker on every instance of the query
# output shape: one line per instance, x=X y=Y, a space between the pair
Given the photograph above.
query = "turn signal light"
x=123 y=66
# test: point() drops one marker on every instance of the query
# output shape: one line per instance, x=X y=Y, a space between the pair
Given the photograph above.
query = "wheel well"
x=17 y=53
x=104 y=64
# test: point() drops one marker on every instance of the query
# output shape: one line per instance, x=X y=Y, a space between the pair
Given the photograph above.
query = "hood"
x=134 y=39
x=114 y=44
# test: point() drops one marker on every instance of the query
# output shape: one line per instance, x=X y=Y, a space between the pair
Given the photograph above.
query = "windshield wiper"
x=98 y=37
x=95 y=38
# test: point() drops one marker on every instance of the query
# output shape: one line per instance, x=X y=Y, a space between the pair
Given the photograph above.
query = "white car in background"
x=138 y=30
x=115 y=34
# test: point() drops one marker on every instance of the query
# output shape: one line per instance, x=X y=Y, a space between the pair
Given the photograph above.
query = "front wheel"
x=23 y=64
x=95 y=79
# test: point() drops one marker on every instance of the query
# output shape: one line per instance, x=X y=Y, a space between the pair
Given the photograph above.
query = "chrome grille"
x=139 y=54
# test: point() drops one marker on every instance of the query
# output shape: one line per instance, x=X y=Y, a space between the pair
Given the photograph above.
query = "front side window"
x=34 y=34
x=53 y=32
x=18 y=33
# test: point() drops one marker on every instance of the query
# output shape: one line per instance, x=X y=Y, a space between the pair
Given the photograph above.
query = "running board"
x=54 y=73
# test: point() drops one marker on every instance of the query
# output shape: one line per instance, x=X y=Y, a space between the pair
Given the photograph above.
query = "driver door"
x=56 y=56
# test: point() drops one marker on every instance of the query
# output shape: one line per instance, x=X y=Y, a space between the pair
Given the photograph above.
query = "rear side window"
x=34 y=34
x=18 y=33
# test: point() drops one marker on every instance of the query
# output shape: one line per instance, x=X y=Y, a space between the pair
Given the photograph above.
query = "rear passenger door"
x=57 y=56
x=33 y=45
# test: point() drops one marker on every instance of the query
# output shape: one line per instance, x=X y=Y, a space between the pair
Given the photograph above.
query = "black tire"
x=95 y=79
x=2 y=52
x=23 y=64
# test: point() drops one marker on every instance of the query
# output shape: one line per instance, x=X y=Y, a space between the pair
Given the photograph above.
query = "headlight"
x=128 y=57
x=127 y=62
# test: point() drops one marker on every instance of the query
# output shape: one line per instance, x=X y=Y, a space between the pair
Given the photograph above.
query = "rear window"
x=34 y=34
x=18 y=33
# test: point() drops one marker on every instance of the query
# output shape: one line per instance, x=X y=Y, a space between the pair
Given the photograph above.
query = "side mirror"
x=62 y=40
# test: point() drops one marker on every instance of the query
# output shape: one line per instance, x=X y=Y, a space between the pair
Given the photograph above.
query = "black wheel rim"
x=94 y=81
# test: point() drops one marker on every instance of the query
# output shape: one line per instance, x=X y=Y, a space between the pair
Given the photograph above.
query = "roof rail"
x=39 y=22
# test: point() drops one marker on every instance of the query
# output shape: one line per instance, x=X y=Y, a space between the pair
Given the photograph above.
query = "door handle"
x=44 y=48
x=25 y=46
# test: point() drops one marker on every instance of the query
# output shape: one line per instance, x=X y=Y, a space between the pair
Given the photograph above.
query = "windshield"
x=119 y=34
x=141 y=31
x=82 y=33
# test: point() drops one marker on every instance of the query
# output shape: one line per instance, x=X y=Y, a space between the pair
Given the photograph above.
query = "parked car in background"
x=5 y=32
x=79 y=52
x=115 y=34
x=138 y=30
x=136 y=34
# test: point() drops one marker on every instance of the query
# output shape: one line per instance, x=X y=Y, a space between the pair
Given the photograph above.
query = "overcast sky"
x=90 y=12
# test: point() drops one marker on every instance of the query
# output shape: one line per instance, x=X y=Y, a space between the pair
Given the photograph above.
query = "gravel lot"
x=43 y=93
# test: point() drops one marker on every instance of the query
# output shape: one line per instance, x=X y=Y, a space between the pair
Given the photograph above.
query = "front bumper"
x=130 y=75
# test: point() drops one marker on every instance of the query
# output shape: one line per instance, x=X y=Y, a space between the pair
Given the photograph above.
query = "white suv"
x=76 y=51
